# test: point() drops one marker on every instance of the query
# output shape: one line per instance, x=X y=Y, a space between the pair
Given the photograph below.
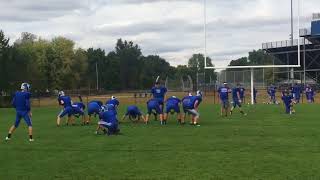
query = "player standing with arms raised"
x=159 y=93
x=21 y=102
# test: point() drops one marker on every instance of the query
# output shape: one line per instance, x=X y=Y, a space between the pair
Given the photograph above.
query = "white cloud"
x=170 y=28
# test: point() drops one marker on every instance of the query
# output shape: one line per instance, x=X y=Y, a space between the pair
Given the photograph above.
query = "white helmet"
x=25 y=86
x=199 y=93
x=113 y=97
x=61 y=93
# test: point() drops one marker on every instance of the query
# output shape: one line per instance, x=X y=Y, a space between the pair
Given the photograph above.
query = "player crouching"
x=78 y=111
x=154 y=107
x=190 y=106
x=287 y=99
x=94 y=108
x=134 y=114
x=108 y=123
x=66 y=102
x=172 y=106
x=21 y=102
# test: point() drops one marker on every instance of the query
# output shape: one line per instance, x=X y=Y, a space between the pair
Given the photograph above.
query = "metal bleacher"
x=286 y=52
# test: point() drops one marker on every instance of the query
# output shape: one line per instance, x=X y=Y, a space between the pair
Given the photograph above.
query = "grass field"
x=267 y=144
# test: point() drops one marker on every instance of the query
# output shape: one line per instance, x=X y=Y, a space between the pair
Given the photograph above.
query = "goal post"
x=251 y=67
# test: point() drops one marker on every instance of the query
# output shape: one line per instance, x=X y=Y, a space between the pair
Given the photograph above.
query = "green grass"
x=267 y=144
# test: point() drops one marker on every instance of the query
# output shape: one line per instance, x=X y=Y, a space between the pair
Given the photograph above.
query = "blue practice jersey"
x=223 y=93
x=21 y=101
x=133 y=111
x=79 y=105
x=95 y=105
x=153 y=102
x=189 y=102
x=159 y=92
x=173 y=101
x=272 y=90
x=111 y=108
x=296 y=89
x=109 y=117
x=114 y=102
x=65 y=101
x=287 y=99
x=235 y=92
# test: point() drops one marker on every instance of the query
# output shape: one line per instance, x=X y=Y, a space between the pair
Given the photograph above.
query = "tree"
x=129 y=55
x=196 y=63
x=5 y=56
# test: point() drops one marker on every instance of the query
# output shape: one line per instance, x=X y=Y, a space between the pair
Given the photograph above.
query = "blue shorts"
x=161 y=101
x=157 y=109
x=66 y=111
x=225 y=103
x=76 y=110
x=170 y=108
x=236 y=103
x=25 y=116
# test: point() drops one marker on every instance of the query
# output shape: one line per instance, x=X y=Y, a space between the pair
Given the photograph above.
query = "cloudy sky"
x=171 y=28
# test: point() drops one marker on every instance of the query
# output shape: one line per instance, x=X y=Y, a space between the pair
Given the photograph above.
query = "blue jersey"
x=79 y=105
x=153 y=103
x=241 y=92
x=173 y=101
x=109 y=117
x=111 y=108
x=223 y=93
x=287 y=99
x=159 y=92
x=272 y=90
x=21 y=101
x=189 y=102
x=65 y=101
x=99 y=103
x=133 y=111
x=114 y=102
x=309 y=92
x=235 y=92
x=296 y=90
x=94 y=105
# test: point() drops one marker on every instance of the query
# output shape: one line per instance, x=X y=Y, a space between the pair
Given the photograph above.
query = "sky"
x=172 y=29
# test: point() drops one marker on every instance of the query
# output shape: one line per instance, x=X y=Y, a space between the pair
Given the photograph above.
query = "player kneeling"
x=94 y=108
x=21 y=102
x=190 y=106
x=108 y=123
x=172 y=106
x=287 y=99
x=134 y=114
x=153 y=106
